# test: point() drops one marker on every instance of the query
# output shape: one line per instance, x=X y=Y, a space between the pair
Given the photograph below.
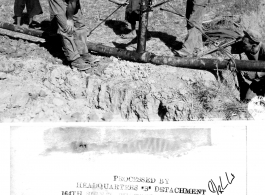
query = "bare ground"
x=40 y=87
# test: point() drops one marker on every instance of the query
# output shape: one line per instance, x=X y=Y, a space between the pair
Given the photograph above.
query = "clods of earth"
x=36 y=85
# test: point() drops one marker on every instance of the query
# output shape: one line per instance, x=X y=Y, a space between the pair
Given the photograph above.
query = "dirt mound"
x=115 y=91
x=37 y=86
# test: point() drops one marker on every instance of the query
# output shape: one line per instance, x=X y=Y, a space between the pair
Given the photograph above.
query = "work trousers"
x=73 y=44
x=194 y=13
x=33 y=7
x=132 y=13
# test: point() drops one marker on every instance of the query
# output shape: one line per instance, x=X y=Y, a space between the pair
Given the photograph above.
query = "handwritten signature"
x=220 y=189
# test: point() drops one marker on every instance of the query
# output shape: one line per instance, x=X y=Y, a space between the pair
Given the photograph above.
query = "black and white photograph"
x=124 y=160
x=132 y=97
x=131 y=60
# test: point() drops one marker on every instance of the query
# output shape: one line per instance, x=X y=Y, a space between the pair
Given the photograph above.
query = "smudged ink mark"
x=79 y=146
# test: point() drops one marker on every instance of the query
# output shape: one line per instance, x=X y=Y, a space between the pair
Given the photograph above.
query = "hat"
x=253 y=35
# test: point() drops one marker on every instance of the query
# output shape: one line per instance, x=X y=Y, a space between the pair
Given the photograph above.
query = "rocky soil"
x=38 y=86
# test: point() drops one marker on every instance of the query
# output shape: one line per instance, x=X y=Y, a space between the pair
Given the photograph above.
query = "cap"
x=253 y=35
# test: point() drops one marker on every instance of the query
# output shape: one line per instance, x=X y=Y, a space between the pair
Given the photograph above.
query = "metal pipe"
x=192 y=63
x=117 y=52
x=147 y=57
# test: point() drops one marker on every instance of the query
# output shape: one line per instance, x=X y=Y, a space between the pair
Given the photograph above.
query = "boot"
x=80 y=64
x=88 y=58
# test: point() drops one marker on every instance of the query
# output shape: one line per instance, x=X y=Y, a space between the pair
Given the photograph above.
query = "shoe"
x=88 y=58
x=80 y=64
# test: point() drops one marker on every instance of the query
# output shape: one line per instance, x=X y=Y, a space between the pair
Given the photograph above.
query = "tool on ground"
x=105 y=19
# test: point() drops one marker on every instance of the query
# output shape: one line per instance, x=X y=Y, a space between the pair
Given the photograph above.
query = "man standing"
x=132 y=15
x=195 y=9
x=251 y=83
x=67 y=16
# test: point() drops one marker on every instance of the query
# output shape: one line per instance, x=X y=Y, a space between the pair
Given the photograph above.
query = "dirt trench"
x=38 y=86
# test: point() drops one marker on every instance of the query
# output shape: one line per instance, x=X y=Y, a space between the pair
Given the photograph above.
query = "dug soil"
x=37 y=85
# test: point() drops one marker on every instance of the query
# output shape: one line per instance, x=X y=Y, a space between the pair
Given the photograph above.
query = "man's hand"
x=70 y=26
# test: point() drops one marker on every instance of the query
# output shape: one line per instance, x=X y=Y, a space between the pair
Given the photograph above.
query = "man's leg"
x=70 y=49
x=58 y=13
x=132 y=34
x=132 y=16
x=33 y=9
x=19 y=6
x=80 y=38
x=194 y=13
x=80 y=34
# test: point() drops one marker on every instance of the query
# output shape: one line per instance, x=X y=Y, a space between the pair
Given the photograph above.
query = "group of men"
x=67 y=15
x=251 y=83
x=71 y=27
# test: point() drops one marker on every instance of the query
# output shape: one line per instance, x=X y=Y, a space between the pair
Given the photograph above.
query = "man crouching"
x=251 y=83
x=67 y=16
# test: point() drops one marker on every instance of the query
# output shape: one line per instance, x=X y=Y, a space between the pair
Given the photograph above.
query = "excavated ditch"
x=38 y=87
